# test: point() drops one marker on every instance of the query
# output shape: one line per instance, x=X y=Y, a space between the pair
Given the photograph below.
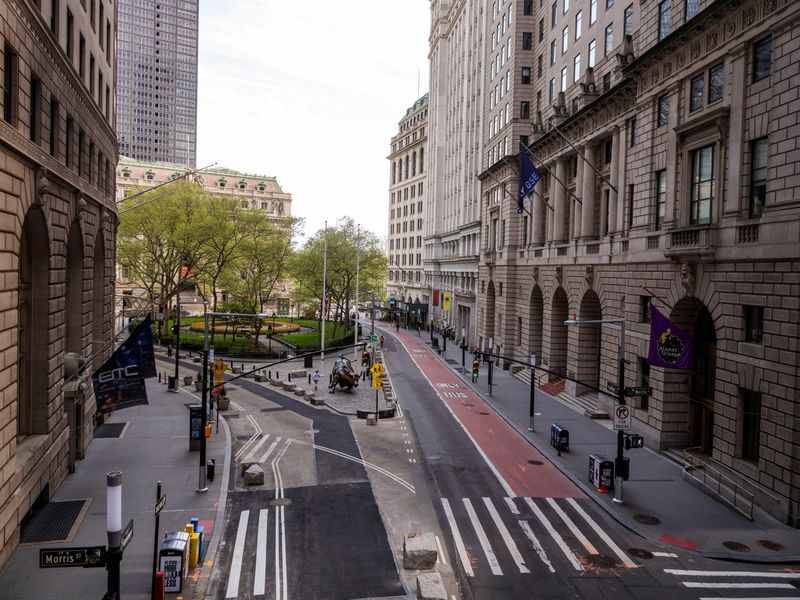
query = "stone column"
x=549 y=212
x=616 y=200
x=538 y=219
x=579 y=177
x=587 y=194
x=560 y=202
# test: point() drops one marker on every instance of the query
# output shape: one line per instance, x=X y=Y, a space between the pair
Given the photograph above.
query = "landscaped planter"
x=188 y=380
x=223 y=403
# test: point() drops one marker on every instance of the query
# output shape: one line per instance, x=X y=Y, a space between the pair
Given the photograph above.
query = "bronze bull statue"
x=343 y=375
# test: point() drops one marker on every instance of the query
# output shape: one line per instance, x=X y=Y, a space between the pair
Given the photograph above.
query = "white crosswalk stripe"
x=487 y=541
x=711 y=580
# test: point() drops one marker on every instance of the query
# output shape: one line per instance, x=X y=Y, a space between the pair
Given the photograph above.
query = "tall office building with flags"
x=663 y=133
x=157 y=80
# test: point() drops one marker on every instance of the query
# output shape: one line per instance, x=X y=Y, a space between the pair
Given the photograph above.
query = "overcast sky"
x=311 y=92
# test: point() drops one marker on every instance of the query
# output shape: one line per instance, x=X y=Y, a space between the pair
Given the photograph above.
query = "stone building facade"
x=671 y=177
x=58 y=224
x=253 y=192
x=408 y=293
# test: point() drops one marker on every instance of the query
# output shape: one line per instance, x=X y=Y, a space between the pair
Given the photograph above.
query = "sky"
x=311 y=92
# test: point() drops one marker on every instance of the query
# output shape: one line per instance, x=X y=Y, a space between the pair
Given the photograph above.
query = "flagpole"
x=358 y=257
x=324 y=298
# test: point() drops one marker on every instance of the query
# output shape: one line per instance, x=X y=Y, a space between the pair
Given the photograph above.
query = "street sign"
x=160 y=504
x=376 y=383
x=377 y=369
x=622 y=417
x=373 y=338
x=89 y=557
x=638 y=391
x=127 y=535
x=612 y=387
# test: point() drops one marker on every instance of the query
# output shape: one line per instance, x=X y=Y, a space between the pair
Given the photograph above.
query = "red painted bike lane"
x=506 y=451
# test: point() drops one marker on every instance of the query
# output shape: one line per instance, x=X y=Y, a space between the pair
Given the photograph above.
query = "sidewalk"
x=153 y=446
x=657 y=503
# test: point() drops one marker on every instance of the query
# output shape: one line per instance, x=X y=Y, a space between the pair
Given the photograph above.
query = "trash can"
x=173 y=560
x=211 y=466
x=172 y=385
x=559 y=437
x=308 y=361
x=601 y=472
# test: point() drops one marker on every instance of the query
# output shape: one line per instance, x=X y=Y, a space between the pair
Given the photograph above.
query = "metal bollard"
x=309 y=378
x=290 y=377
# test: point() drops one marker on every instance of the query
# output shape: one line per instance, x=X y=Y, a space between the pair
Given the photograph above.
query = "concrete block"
x=317 y=401
x=260 y=378
x=298 y=374
x=247 y=462
x=299 y=392
x=371 y=419
x=419 y=550
x=430 y=587
x=290 y=387
x=254 y=475
x=237 y=370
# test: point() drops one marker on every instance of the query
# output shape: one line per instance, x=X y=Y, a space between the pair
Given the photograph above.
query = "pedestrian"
x=381 y=341
x=476 y=367
x=397 y=326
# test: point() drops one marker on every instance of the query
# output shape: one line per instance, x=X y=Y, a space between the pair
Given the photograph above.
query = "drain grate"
x=647 y=519
x=770 y=545
x=52 y=523
x=535 y=462
x=450 y=361
x=736 y=546
x=110 y=430
x=640 y=553
x=484 y=413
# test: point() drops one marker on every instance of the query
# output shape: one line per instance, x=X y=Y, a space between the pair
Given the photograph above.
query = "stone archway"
x=694 y=395
x=587 y=348
x=535 y=324
x=32 y=357
x=559 y=312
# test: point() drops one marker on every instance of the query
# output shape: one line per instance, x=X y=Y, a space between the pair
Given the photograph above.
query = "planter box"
x=198 y=386
x=224 y=403
x=188 y=380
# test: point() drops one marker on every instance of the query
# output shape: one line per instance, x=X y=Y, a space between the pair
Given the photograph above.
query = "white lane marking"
x=501 y=527
x=260 y=580
x=254 y=450
x=526 y=529
x=765 y=574
x=238 y=555
x=554 y=534
x=665 y=554
x=441 y=551
x=494 y=564
x=269 y=450
x=571 y=525
x=460 y=548
x=737 y=586
x=500 y=479
x=603 y=535
x=281 y=568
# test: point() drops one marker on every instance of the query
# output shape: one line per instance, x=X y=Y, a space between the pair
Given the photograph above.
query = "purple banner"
x=670 y=347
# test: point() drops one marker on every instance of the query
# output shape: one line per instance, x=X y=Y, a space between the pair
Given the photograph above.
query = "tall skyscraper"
x=157 y=80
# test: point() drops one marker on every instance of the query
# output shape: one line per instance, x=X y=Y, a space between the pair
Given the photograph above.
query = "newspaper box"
x=173 y=560
x=601 y=472
x=559 y=437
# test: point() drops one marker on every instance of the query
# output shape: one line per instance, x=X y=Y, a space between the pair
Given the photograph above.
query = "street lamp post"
x=114 y=530
x=177 y=327
x=201 y=481
x=618 y=463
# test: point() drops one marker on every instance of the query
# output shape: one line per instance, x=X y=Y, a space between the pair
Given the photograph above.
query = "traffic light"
x=633 y=441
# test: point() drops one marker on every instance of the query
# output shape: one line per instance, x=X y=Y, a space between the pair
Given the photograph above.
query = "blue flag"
x=529 y=176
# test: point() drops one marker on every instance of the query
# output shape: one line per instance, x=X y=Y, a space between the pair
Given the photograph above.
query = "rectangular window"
x=630 y=206
x=592 y=12
x=661 y=198
x=758 y=176
x=54 y=12
x=551 y=90
x=527 y=40
x=564 y=79
x=702 y=194
x=566 y=6
x=692 y=8
x=644 y=309
x=554 y=15
x=69 y=129
x=576 y=68
x=54 y=110
x=539 y=100
x=108 y=101
x=606 y=82
x=526 y=75
x=716 y=82
x=541 y=29
x=609 y=39
x=751 y=424
x=80 y=151
x=696 y=93
x=663 y=110
x=578 y=24
x=92 y=10
x=552 y=53
x=109 y=42
x=81 y=56
x=592 y=52
x=608 y=151
x=70 y=34
x=632 y=129
x=628 y=21
x=664 y=19
x=524 y=109
x=91 y=75
x=762 y=58
x=100 y=20
x=565 y=40
x=524 y=231
x=10 y=91
x=35 y=108
x=753 y=324
x=539 y=67
x=527 y=8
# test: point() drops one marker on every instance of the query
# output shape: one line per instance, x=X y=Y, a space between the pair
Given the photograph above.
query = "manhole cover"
x=110 y=430
x=770 y=545
x=52 y=523
x=280 y=502
x=599 y=560
x=647 y=519
x=736 y=546
x=640 y=553
x=535 y=462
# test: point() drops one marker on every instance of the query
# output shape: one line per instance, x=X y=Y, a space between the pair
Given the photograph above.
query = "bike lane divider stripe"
x=462 y=550
x=238 y=555
x=494 y=564
x=493 y=437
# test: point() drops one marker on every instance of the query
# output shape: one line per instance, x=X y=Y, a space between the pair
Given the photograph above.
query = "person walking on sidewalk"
x=476 y=367
x=381 y=340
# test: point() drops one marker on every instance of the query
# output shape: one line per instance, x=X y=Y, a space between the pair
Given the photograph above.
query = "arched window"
x=422 y=160
x=406 y=169
x=394 y=172
x=413 y=164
